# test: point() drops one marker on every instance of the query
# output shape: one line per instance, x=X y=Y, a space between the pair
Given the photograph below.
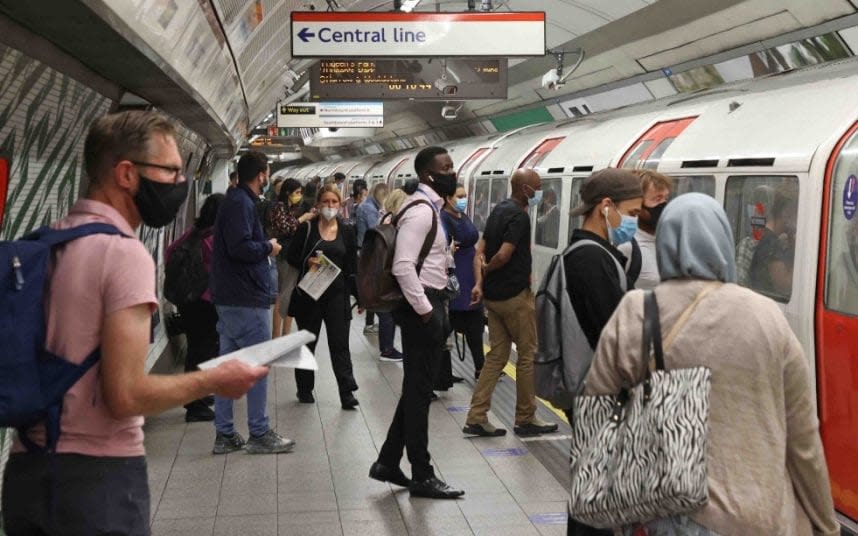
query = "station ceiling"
x=621 y=39
x=151 y=48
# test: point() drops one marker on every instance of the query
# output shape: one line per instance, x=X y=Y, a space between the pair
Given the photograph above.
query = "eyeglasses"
x=177 y=172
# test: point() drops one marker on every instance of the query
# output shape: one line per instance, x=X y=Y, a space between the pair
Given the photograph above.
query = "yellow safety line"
x=509 y=369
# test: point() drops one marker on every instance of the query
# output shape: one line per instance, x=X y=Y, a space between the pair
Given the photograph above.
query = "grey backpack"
x=563 y=355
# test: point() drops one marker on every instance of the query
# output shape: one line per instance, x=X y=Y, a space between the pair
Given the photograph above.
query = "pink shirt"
x=413 y=228
x=93 y=277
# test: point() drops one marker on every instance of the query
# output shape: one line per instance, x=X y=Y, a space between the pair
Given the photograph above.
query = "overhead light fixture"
x=409 y=5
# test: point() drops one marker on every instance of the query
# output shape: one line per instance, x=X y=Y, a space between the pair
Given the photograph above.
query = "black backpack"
x=185 y=275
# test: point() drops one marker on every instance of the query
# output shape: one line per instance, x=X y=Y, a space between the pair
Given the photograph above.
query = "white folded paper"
x=316 y=281
x=288 y=351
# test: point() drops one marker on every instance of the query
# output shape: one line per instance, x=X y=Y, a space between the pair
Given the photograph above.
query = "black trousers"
x=473 y=325
x=200 y=318
x=71 y=494
x=423 y=345
x=576 y=528
x=332 y=309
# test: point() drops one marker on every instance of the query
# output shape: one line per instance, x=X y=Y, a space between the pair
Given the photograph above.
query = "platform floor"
x=513 y=487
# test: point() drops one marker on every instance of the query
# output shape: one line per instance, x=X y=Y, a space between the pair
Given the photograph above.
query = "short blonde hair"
x=329 y=188
x=394 y=200
x=654 y=179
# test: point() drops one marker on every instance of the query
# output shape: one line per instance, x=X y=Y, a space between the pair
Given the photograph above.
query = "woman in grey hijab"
x=766 y=468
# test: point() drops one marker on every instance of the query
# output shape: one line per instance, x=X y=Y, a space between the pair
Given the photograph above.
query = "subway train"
x=780 y=151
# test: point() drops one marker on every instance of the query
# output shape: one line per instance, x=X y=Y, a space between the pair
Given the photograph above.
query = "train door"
x=648 y=149
x=837 y=323
x=464 y=172
x=390 y=176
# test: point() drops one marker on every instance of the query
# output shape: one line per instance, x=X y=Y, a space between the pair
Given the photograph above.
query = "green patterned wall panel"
x=43 y=120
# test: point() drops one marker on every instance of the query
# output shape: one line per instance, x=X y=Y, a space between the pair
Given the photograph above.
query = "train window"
x=574 y=198
x=466 y=166
x=548 y=214
x=540 y=152
x=499 y=189
x=632 y=161
x=841 y=286
x=397 y=183
x=655 y=156
x=481 y=202
x=704 y=184
x=763 y=211
x=647 y=150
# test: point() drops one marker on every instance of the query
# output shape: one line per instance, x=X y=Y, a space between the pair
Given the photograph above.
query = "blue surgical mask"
x=625 y=232
x=536 y=199
x=461 y=204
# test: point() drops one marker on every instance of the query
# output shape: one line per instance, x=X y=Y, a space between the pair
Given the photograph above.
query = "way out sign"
x=341 y=34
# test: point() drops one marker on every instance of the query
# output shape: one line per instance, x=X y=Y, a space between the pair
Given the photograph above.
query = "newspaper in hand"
x=317 y=280
x=288 y=351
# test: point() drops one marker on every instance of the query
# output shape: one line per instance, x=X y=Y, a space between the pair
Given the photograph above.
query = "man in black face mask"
x=424 y=324
x=100 y=296
x=656 y=190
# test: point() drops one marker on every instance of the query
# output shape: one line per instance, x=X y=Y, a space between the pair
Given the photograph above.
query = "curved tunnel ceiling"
x=221 y=66
x=622 y=39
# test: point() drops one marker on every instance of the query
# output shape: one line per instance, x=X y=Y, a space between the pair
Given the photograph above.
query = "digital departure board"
x=417 y=79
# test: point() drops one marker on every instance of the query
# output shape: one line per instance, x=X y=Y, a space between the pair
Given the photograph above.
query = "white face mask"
x=329 y=213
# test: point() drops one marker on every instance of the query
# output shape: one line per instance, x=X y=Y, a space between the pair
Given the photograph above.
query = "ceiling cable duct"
x=305 y=89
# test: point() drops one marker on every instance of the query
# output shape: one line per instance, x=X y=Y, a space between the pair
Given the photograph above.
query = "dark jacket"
x=240 y=271
x=301 y=247
x=593 y=283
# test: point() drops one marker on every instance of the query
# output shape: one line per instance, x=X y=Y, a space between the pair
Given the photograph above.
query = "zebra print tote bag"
x=640 y=455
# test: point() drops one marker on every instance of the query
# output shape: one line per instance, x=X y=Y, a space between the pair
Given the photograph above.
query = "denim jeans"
x=240 y=327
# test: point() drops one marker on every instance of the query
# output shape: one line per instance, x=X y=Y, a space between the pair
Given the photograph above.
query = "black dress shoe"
x=433 y=488
x=208 y=400
x=348 y=401
x=394 y=475
x=199 y=413
x=306 y=397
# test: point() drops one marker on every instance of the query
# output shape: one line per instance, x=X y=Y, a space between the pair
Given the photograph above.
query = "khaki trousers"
x=510 y=321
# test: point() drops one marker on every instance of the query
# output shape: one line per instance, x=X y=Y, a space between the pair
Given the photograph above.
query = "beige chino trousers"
x=510 y=321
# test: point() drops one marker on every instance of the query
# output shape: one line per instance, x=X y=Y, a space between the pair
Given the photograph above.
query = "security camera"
x=551 y=80
x=449 y=112
x=446 y=87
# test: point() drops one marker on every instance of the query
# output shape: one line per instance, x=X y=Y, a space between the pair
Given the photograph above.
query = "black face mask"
x=655 y=213
x=444 y=184
x=159 y=202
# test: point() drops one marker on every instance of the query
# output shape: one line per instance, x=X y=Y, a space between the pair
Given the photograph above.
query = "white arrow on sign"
x=368 y=34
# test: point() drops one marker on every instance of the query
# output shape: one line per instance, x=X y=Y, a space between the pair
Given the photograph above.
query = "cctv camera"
x=551 y=80
x=449 y=112
x=445 y=87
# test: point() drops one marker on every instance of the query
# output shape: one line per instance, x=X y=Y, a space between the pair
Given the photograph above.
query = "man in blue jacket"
x=241 y=291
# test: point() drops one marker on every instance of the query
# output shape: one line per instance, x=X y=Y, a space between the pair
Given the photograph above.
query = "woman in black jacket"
x=337 y=241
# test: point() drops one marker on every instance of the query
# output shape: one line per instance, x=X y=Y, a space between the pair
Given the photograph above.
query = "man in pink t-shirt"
x=102 y=295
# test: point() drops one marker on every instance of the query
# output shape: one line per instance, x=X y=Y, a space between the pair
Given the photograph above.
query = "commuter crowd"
x=641 y=306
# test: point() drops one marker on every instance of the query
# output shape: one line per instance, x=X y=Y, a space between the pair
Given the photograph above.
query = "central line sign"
x=340 y=34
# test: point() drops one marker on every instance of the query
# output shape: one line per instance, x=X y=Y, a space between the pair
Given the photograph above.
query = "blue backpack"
x=33 y=381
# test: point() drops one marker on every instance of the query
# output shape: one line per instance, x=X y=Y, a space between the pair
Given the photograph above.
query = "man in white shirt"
x=424 y=323
x=656 y=189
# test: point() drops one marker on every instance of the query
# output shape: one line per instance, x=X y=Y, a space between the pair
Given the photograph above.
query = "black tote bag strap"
x=651 y=345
